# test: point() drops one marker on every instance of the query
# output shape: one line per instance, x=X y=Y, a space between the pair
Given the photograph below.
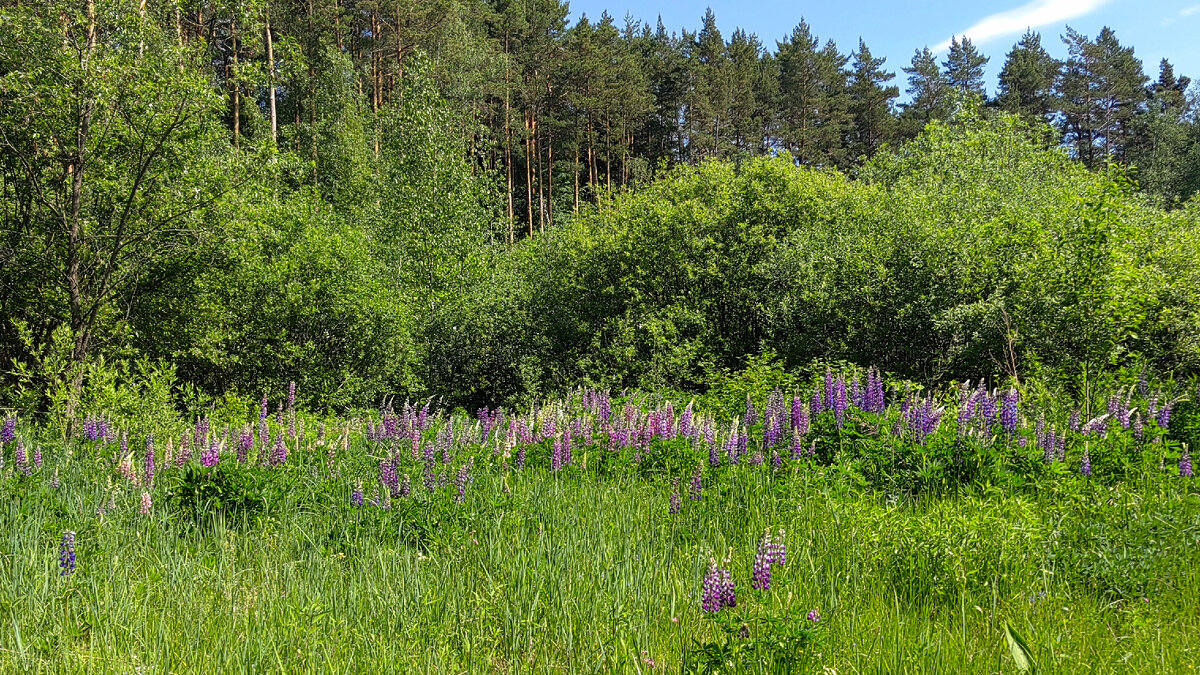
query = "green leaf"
x=1019 y=650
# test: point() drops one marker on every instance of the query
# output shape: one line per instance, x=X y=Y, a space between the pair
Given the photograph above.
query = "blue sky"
x=1155 y=28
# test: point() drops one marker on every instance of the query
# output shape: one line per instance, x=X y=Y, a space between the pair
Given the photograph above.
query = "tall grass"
x=581 y=572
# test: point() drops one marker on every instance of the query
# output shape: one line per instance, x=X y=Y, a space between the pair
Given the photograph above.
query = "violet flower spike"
x=66 y=554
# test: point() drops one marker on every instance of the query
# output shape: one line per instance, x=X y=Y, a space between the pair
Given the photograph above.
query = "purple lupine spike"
x=840 y=404
x=1164 y=416
x=22 y=458
x=462 y=480
x=291 y=399
x=857 y=398
x=1073 y=423
x=1009 y=411
x=264 y=409
x=761 y=579
x=387 y=476
x=751 y=416
x=210 y=456
x=245 y=442
x=149 y=459
x=1138 y=428
x=779 y=549
x=185 y=450
x=697 y=484
x=1185 y=463
x=776 y=461
x=757 y=459
x=37 y=456
x=685 y=421
x=279 y=415
x=556 y=456
x=356 y=497
x=797 y=446
x=714 y=455
x=1085 y=466
x=743 y=442
x=8 y=432
x=66 y=554
x=676 y=503
x=712 y=596
x=728 y=592
x=815 y=405
x=878 y=400
x=280 y=452
x=405 y=486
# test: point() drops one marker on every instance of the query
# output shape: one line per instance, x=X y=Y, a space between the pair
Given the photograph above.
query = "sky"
x=1155 y=28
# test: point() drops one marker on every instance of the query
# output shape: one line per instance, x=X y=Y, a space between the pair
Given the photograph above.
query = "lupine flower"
x=464 y=477
x=387 y=475
x=150 y=459
x=280 y=452
x=757 y=459
x=8 y=432
x=815 y=406
x=1138 y=430
x=66 y=554
x=676 y=504
x=1008 y=410
x=1075 y=420
x=776 y=460
x=556 y=456
x=839 y=401
x=146 y=503
x=245 y=442
x=797 y=446
x=813 y=616
x=1085 y=466
x=356 y=497
x=718 y=590
x=22 y=458
x=778 y=549
x=714 y=455
x=751 y=416
x=405 y=486
x=1185 y=464
x=185 y=450
x=211 y=455
x=762 y=565
x=1164 y=416
x=37 y=456
x=697 y=483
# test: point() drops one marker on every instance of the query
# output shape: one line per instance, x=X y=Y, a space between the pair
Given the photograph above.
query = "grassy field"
x=274 y=567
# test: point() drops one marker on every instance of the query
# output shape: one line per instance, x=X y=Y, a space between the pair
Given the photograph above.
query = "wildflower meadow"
x=846 y=523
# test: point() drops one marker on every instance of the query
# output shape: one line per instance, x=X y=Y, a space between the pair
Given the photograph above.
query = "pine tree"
x=964 y=67
x=1027 y=79
x=870 y=103
x=1100 y=91
x=814 y=112
x=930 y=93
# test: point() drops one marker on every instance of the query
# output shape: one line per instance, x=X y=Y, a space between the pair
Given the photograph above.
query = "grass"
x=582 y=572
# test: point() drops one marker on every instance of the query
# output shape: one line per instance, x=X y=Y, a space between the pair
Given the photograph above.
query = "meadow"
x=846 y=525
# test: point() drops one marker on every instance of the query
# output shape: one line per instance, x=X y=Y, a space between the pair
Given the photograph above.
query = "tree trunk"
x=508 y=140
x=529 y=168
x=237 y=90
x=271 y=77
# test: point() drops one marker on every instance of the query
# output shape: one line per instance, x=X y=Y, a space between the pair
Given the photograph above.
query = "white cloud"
x=1030 y=15
x=1188 y=11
